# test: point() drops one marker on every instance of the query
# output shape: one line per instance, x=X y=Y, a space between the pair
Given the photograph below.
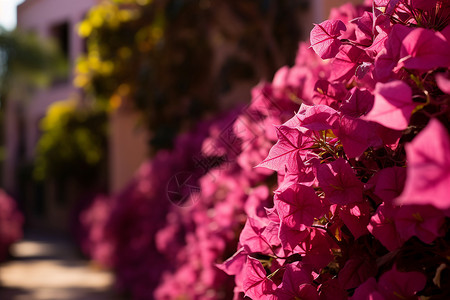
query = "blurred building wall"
x=329 y=4
x=55 y=19
x=52 y=19
x=42 y=203
x=127 y=147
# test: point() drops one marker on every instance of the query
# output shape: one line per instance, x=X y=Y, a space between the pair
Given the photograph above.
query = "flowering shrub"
x=197 y=237
x=361 y=209
x=118 y=231
x=140 y=235
x=11 y=221
x=90 y=229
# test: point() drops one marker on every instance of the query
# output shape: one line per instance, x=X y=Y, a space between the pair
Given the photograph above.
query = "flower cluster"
x=362 y=207
x=145 y=234
x=198 y=237
x=359 y=206
x=119 y=231
x=11 y=221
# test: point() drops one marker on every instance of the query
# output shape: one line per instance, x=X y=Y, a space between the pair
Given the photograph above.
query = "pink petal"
x=359 y=103
x=428 y=169
x=256 y=285
x=356 y=216
x=324 y=38
x=393 y=105
x=294 y=279
x=317 y=249
x=424 y=49
x=252 y=238
x=284 y=153
x=298 y=205
x=346 y=62
x=389 y=184
x=403 y=285
x=356 y=271
x=235 y=263
x=291 y=237
x=423 y=221
x=368 y=290
x=443 y=82
x=383 y=228
x=424 y=4
x=356 y=135
x=339 y=182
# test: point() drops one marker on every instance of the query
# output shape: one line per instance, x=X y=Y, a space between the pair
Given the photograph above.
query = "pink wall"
x=127 y=144
x=40 y=16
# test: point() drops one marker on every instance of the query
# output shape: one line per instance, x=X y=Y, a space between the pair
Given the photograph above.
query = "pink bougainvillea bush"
x=119 y=231
x=153 y=240
x=362 y=206
x=343 y=197
x=199 y=236
x=11 y=221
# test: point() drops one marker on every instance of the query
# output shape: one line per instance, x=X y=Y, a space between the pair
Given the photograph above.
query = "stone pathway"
x=47 y=267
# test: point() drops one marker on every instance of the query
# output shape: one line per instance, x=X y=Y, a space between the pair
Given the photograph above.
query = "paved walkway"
x=47 y=267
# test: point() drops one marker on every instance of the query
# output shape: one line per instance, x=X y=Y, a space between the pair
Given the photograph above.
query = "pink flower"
x=428 y=172
x=356 y=135
x=291 y=237
x=383 y=228
x=284 y=153
x=324 y=38
x=359 y=103
x=317 y=249
x=345 y=63
x=339 y=182
x=298 y=206
x=253 y=239
x=235 y=263
x=392 y=285
x=443 y=82
x=256 y=284
x=424 y=49
x=389 y=183
x=396 y=285
x=356 y=216
x=356 y=270
x=423 y=221
x=296 y=283
x=393 y=105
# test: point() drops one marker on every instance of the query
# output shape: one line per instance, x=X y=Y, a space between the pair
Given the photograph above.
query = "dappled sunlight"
x=48 y=267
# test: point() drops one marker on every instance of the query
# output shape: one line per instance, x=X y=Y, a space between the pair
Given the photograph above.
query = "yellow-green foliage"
x=178 y=60
x=108 y=16
x=26 y=62
x=73 y=142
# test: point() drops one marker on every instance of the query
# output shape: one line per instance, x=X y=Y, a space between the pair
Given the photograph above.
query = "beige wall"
x=335 y=3
x=127 y=147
